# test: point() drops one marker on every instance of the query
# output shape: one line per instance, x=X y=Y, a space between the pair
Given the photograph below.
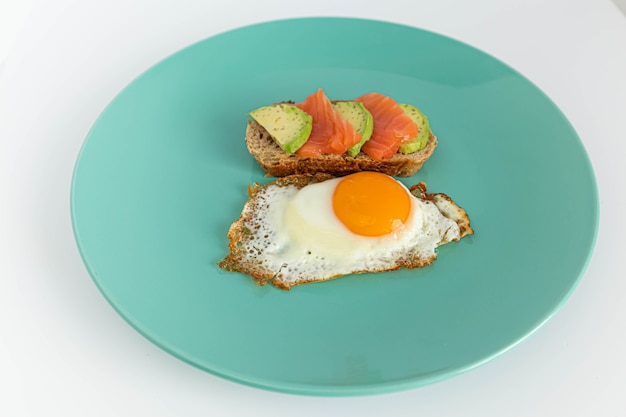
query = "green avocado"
x=289 y=126
x=360 y=118
x=419 y=141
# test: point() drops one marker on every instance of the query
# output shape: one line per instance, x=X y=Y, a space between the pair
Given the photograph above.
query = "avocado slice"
x=360 y=118
x=289 y=126
x=419 y=141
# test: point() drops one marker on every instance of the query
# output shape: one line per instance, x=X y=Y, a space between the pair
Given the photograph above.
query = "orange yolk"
x=371 y=204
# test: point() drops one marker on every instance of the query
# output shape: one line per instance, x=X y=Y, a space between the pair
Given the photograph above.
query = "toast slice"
x=275 y=162
x=243 y=242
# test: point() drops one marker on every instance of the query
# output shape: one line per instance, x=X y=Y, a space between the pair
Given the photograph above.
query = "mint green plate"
x=164 y=172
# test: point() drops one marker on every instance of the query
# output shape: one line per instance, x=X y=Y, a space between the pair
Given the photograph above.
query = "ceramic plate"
x=164 y=171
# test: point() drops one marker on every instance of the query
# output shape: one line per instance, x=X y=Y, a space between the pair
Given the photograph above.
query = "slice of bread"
x=275 y=162
x=245 y=245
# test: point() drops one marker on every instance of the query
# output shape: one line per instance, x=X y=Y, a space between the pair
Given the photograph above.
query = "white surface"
x=64 y=351
x=12 y=17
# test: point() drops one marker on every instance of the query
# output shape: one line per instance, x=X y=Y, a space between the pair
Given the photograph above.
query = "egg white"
x=296 y=233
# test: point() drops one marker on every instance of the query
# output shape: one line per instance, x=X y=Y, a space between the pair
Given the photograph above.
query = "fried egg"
x=363 y=222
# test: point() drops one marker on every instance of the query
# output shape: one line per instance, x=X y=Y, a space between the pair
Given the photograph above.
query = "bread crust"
x=238 y=233
x=275 y=162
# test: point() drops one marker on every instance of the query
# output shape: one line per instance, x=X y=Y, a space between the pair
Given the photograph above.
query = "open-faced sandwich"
x=369 y=133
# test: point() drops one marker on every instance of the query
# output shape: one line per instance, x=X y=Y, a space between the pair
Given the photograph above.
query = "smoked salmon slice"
x=331 y=133
x=392 y=127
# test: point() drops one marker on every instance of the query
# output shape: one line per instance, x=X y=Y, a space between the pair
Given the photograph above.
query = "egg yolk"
x=371 y=204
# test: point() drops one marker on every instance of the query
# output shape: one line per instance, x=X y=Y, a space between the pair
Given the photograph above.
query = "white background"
x=64 y=351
